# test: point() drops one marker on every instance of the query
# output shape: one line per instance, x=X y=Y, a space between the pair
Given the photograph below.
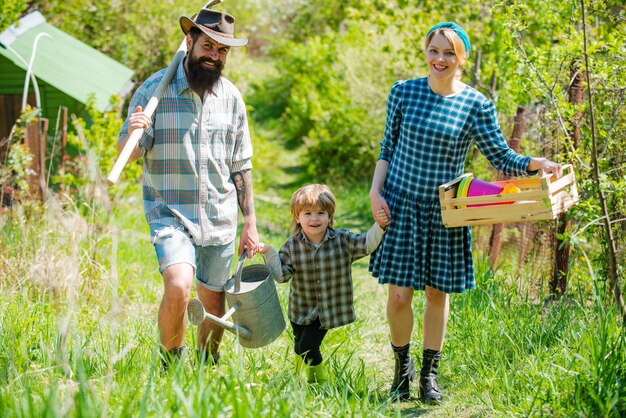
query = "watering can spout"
x=197 y=314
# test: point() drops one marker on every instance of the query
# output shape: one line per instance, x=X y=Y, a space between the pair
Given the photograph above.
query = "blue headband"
x=457 y=29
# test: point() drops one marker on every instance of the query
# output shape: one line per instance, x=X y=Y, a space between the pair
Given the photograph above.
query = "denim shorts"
x=174 y=245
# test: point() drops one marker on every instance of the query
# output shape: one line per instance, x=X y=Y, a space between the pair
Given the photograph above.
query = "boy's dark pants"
x=307 y=341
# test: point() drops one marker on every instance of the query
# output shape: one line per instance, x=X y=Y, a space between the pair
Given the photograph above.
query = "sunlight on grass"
x=78 y=337
x=73 y=341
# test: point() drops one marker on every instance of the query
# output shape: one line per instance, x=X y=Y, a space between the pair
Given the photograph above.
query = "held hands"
x=249 y=239
x=381 y=218
x=263 y=248
x=272 y=260
x=380 y=210
x=138 y=120
x=546 y=166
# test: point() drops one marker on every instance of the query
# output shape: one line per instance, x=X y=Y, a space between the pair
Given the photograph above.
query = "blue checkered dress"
x=427 y=137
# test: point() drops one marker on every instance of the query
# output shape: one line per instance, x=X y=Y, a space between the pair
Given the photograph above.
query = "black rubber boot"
x=170 y=357
x=429 y=389
x=206 y=357
x=404 y=373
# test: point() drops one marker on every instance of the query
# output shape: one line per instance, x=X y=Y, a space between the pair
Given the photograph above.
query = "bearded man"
x=194 y=146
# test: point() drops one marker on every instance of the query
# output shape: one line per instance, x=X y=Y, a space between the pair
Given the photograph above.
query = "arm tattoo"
x=243 y=185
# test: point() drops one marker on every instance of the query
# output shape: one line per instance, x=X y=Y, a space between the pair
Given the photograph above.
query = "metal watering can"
x=254 y=305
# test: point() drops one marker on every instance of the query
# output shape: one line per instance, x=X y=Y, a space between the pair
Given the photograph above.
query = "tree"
x=11 y=11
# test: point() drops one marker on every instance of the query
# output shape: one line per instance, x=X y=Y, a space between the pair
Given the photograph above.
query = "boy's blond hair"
x=310 y=197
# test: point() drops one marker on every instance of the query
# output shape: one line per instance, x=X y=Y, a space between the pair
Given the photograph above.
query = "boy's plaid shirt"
x=321 y=277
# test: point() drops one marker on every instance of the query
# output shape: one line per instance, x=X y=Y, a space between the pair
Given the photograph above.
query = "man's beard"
x=199 y=77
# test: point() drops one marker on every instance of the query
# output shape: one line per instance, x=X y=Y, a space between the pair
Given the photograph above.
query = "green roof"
x=66 y=63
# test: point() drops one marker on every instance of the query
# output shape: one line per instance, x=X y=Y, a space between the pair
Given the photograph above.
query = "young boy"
x=318 y=260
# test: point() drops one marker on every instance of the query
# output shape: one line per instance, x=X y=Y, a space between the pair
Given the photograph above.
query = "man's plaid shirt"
x=191 y=149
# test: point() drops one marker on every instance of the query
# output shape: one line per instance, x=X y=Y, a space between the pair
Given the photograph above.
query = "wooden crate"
x=540 y=198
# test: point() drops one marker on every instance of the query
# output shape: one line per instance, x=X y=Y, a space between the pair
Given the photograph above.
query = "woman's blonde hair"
x=455 y=40
x=310 y=197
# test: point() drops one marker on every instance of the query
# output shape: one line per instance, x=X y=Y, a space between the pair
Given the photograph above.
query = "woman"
x=431 y=123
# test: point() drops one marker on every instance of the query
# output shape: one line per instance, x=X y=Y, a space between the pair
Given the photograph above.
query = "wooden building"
x=67 y=72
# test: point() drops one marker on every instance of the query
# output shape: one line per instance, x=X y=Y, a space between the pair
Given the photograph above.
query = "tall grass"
x=79 y=294
x=79 y=339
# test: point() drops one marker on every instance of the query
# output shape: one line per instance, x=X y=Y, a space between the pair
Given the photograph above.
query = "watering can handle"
x=239 y=270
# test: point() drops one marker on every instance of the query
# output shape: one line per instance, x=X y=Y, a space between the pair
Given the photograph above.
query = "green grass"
x=79 y=293
x=78 y=337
